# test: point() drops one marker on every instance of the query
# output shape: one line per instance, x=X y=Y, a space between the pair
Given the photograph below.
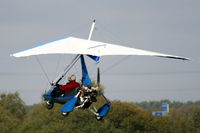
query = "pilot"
x=72 y=84
x=60 y=90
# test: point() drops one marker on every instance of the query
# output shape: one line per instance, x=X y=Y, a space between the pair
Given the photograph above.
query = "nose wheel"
x=65 y=113
x=99 y=118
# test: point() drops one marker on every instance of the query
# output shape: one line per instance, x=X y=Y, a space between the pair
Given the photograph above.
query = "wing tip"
x=177 y=57
x=12 y=55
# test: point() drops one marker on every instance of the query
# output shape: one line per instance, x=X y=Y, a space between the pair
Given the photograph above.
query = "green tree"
x=196 y=119
x=8 y=123
x=14 y=104
x=129 y=118
x=123 y=117
x=41 y=120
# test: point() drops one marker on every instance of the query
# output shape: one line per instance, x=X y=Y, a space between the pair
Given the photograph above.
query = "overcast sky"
x=171 y=27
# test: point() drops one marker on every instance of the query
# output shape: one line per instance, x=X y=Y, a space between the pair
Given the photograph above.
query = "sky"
x=170 y=27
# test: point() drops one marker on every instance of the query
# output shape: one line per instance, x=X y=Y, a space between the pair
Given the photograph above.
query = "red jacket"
x=69 y=86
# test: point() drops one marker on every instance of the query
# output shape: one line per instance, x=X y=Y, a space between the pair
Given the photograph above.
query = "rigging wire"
x=112 y=35
x=93 y=70
x=57 y=65
x=43 y=70
x=76 y=70
x=114 y=38
x=59 y=58
x=79 y=28
x=116 y=63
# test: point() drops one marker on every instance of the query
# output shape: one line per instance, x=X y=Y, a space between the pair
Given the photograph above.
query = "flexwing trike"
x=71 y=100
x=80 y=47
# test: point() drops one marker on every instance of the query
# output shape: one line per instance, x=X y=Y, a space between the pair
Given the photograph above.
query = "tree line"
x=124 y=117
x=156 y=105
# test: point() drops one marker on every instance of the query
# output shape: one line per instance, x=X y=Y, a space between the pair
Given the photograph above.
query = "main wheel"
x=99 y=118
x=49 y=104
x=65 y=113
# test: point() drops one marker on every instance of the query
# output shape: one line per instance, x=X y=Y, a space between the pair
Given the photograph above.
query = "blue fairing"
x=60 y=99
x=69 y=106
x=103 y=111
x=85 y=76
x=95 y=58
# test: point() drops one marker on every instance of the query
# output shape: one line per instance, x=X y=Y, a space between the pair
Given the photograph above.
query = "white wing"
x=72 y=45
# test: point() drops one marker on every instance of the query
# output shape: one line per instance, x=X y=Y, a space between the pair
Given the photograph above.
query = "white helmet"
x=72 y=78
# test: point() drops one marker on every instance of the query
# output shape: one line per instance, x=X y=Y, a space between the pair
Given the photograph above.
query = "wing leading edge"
x=72 y=45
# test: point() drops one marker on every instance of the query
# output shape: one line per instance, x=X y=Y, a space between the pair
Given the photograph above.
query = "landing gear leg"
x=102 y=111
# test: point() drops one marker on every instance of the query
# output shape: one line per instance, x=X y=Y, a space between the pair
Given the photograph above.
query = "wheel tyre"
x=99 y=118
x=49 y=105
x=65 y=113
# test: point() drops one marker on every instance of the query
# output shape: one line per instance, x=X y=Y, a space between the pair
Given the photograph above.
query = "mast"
x=91 y=30
x=66 y=70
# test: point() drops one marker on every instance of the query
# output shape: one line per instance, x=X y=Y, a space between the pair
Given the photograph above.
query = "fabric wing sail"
x=72 y=45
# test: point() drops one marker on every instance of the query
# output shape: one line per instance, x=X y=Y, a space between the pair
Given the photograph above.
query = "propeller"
x=98 y=76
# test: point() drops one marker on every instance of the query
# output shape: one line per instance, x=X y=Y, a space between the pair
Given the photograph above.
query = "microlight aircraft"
x=82 y=48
